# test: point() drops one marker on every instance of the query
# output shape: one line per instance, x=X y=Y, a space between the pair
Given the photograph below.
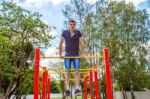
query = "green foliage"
x=55 y=88
x=124 y=30
x=20 y=31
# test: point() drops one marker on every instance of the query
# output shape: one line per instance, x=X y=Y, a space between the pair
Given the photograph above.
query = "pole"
x=109 y=92
x=91 y=84
x=96 y=83
x=44 y=83
x=36 y=72
x=85 y=87
x=49 y=85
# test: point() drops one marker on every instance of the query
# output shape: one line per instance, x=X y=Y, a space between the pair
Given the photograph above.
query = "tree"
x=124 y=30
x=21 y=31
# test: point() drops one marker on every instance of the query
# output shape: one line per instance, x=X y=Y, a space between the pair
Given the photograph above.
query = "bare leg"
x=77 y=79
x=67 y=80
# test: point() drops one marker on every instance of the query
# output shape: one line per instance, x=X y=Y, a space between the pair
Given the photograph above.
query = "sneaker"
x=67 y=93
x=77 y=92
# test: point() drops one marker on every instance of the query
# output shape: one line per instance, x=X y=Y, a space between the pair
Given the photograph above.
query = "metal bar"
x=85 y=87
x=96 y=83
x=63 y=72
x=36 y=72
x=69 y=79
x=44 y=83
x=72 y=57
x=91 y=84
x=51 y=69
x=109 y=92
x=49 y=85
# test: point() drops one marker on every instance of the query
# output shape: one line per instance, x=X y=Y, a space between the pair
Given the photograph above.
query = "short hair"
x=71 y=20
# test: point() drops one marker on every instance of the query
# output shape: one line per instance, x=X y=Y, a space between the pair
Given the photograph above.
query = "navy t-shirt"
x=71 y=43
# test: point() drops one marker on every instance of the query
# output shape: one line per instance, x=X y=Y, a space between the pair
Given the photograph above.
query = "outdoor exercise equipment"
x=93 y=76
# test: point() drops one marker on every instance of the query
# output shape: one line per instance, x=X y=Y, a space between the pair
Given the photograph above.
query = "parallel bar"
x=49 y=69
x=49 y=85
x=85 y=88
x=96 y=83
x=36 y=72
x=91 y=84
x=63 y=72
x=69 y=79
x=82 y=69
x=109 y=92
x=44 y=83
x=53 y=57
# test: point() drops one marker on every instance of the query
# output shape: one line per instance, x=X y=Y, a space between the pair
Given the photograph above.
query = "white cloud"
x=39 y=3
x=53 y=32
x=58 y=2
x=135 y=2
x=91 y=1
x=148 y=10
x=30 y=3
x=49 y=52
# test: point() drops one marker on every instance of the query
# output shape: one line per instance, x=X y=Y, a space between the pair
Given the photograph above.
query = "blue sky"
x=52 y=14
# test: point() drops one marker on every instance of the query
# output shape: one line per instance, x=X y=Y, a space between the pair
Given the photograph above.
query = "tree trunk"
x=124 y=94
x=131 y=89
x=132 y=94
x=11 y=88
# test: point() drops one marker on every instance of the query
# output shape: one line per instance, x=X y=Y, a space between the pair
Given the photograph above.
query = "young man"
x=73 y=47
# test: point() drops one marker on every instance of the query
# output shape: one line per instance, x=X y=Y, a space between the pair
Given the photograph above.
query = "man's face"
x=72 y=26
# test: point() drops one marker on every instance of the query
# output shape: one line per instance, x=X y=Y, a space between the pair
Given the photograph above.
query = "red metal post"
x=36 y=72
x=96 y=83
x=91 y=84
x=49 y=87
x=85 y=87
x=109 y=92
x=44 y=83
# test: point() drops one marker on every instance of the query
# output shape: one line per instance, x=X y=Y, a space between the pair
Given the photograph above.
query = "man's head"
x=72 y=25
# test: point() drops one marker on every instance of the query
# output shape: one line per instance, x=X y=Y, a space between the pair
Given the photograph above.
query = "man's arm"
x=60 y=45
x=81 y=46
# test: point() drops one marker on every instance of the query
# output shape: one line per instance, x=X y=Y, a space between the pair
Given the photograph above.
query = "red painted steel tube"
x=36 y=72
x=49 y=87
x=85 y=87
x=96 y=83
x=44 y=83
x=91 y=84
x=109 y=92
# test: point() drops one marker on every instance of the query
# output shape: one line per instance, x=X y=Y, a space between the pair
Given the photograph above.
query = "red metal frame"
x=44 y=83
x=46 y=79
x=96 y=83
x=109 y=92
x=91 y=84
x=36 y=72
x=49 y=85
x=85 y=87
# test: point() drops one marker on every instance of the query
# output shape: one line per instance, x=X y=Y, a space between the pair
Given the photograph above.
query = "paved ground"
x=117 y=95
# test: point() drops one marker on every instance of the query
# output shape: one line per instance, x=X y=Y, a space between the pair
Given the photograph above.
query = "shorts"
x=68 y=61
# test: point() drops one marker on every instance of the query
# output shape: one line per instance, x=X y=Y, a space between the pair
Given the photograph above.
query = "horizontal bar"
x=71 y=57
x=69 y=79
x=51 y=69
x=63 y=72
